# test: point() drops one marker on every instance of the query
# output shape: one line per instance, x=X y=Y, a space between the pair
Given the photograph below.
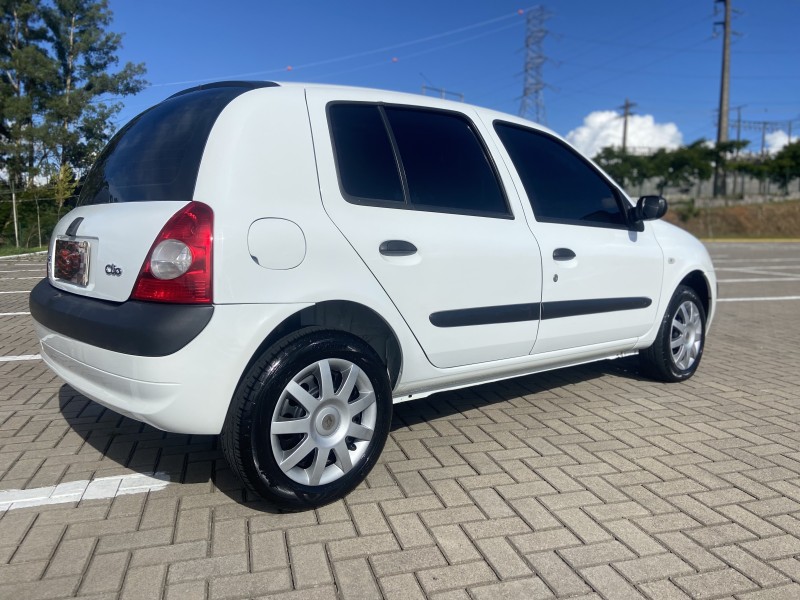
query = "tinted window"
x=561 y=186
x=445 y=164
x=157 y=155
x=364 y=155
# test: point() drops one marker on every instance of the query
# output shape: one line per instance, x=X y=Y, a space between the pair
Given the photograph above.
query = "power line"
x=346 y=57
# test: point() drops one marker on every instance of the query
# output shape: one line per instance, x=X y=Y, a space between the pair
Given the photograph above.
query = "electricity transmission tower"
x=533 y=88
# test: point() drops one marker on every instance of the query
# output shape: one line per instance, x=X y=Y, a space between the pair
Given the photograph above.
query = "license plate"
x=71 y=262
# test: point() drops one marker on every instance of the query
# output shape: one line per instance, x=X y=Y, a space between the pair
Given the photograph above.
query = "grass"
x=14 y=251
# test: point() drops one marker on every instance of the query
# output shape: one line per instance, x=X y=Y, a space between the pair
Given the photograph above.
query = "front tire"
x=309 y=419
x=678 y=348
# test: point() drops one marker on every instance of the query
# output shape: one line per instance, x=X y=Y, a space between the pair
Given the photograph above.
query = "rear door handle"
x=563 y=254
x=397 y=248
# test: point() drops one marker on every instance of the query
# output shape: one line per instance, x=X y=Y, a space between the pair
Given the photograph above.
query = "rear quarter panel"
x=259 y=163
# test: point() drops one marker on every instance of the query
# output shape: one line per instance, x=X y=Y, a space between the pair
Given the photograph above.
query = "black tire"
x=331 y=463
x=663 y=362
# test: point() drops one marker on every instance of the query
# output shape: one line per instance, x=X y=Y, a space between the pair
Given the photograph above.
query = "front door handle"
x=563 y=254
x=397 y=248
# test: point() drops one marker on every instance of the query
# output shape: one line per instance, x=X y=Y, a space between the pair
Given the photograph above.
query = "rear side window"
x=157 y=155
x=561 y=185
x=364 y=155
x=422 y=159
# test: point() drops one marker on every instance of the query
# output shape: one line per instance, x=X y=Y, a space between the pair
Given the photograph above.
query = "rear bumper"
x=132 y=327
x=188 y=391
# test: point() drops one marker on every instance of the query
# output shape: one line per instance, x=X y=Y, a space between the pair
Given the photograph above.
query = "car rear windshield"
x=157 y=155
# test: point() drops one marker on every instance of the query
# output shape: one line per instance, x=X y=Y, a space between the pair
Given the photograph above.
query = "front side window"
x=561 y=186
x=422 y=159
x=445 y=163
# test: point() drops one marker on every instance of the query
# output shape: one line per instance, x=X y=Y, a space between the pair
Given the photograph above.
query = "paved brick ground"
x=587 y=482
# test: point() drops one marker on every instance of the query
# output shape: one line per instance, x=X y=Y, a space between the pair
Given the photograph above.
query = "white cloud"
x=604 y=128
x=777 y=140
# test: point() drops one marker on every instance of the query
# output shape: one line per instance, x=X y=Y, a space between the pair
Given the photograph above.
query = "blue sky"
x=661 y=54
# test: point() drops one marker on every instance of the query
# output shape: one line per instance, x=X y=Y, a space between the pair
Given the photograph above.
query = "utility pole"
x=724 y=92
x=533 y=88
x=626 y=112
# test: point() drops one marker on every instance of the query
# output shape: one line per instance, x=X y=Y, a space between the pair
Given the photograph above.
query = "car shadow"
x=121 y=445
x=463 y=400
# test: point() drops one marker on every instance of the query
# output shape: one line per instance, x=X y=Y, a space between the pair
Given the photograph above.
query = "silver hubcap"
x=687 y=335
x=323 y=422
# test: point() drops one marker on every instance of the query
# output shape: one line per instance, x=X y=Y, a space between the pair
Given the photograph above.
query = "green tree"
x=627 y=169
x=64 y=186
x=683 y=166
x=25 y=72
x=59 y=80
x=785 y=166
x=85 y=53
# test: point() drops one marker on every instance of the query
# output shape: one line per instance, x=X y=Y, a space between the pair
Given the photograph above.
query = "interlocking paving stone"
x=401 y=587
x=457 y=576
x=557 y=574
x=715 y=584
x=760 y=572
x=309 y=565
x=589 y=482
x=650 y=568
x=610 y=584
x=408 y=561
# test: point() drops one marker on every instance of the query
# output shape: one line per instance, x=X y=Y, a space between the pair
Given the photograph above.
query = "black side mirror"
x=649 y=208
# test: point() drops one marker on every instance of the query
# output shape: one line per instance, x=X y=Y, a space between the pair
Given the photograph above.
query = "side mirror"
x=649 y=208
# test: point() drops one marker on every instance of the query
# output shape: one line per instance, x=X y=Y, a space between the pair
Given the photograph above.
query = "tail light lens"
x=178 y=267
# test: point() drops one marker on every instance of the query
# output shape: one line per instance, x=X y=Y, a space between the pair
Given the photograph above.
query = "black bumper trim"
x=132 y=327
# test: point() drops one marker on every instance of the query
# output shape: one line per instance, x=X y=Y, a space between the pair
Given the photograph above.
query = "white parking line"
x=75 y=491
x=23 y=271
x=20 y=357
x=762 y=299
x=17 y=292
x=720 y=259
x=759 y=279
x=14 y=314
x=759 y=271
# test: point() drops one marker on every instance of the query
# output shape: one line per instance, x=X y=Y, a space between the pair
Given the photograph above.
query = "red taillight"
x=194 y=226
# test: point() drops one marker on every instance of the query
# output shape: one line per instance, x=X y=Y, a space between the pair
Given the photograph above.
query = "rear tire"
x=678 y=348
x=309 y=419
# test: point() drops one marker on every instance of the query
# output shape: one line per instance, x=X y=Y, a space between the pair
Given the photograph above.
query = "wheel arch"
x=342 y=315
x=699 y=283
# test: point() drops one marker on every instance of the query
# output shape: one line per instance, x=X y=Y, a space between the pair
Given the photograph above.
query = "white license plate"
x=71 y=262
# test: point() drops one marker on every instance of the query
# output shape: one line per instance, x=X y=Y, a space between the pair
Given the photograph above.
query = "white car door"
x=418 y=197
x=601 y=277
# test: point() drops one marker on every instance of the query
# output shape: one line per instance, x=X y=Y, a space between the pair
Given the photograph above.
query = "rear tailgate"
x=146 y=173
x=115 y=238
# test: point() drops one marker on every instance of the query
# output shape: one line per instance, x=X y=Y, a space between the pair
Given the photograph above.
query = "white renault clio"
x=278 y=264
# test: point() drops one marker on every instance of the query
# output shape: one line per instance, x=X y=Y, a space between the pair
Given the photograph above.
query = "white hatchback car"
x=280 y=263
